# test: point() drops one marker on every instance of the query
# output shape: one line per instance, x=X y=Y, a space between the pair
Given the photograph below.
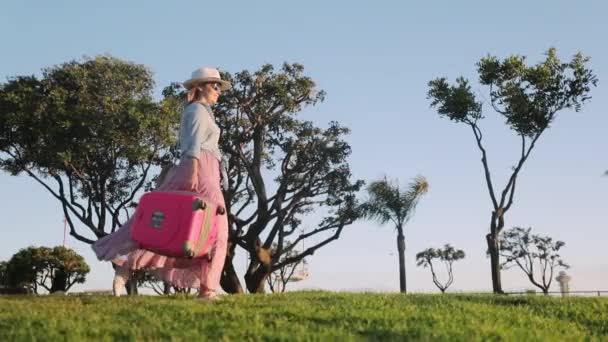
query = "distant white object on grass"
x=563 y=279
x=301 y=274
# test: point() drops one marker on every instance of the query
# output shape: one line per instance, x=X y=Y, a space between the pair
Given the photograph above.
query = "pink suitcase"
x=176 y=224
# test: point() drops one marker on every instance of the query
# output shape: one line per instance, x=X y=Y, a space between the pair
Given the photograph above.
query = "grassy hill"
x=324 y=316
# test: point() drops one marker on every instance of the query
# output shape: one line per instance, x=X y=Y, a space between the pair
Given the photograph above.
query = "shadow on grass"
x=565 y=309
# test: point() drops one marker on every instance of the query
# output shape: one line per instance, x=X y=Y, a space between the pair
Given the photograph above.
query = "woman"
x=198 y=171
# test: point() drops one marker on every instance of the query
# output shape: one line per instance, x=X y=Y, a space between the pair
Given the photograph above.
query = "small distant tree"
x=54 y=269
x=447 y=255
x=525 y=250
x=277 y=281
x=387 y=203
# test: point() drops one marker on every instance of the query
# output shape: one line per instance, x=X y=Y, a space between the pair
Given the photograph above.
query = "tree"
x=23 y=268
x=528 y=98
x=54 y=269
x=281 y=169
x=277 y=280
x=5 y=285
x=89 y=133
x=447 y=255
x=523 y=249
x=3 y=274
x=94 y=130
x=386 y=203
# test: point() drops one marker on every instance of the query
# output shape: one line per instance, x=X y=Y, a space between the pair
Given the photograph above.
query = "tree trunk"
x=401 y=249
x=166 y=288
x=60 y=281
x=255 y=281
x=493 y=248
x=259 y=268
x=131 y=286
x=230 y=281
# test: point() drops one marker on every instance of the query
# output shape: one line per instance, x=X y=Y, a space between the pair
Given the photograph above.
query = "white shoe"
x=209 y=296
x=213 y=298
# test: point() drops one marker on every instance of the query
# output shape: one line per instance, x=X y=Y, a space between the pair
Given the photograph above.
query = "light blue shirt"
x=199 y=132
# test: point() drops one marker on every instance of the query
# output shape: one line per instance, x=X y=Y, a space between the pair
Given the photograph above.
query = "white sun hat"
x=206 y=74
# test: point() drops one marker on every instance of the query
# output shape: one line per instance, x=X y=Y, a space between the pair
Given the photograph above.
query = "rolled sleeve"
x=192 y=131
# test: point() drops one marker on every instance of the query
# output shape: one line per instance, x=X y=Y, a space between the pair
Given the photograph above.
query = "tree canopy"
x=89 y=132
x=447 y=255
x=54 y=269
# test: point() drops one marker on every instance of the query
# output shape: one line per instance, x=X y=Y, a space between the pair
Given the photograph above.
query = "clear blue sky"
x=374 y=61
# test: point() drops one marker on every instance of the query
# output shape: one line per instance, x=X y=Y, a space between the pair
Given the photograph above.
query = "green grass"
x=321 y=316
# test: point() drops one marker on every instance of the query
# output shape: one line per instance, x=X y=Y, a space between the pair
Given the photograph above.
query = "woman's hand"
x=193 y=174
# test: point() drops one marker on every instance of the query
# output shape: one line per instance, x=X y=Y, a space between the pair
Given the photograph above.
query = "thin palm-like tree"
x=387 y=203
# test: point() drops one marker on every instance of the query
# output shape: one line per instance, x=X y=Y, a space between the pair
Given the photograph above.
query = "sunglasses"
x=216 y=87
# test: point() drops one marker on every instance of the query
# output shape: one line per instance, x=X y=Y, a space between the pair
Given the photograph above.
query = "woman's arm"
x=193 y=132
x=191 y=136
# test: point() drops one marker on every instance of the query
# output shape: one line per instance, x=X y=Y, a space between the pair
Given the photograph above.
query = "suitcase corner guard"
x=188 y=249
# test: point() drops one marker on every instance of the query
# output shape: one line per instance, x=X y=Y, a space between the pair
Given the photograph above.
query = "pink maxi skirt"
x=204 y=272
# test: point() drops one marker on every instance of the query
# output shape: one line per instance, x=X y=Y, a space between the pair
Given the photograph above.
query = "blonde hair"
x=195 y=93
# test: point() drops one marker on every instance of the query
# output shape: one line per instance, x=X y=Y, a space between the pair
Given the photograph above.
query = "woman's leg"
x=212 y=271
x=121 y=276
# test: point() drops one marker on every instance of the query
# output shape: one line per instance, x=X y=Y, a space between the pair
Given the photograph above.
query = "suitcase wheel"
x=188 y=249
x=199 y=204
